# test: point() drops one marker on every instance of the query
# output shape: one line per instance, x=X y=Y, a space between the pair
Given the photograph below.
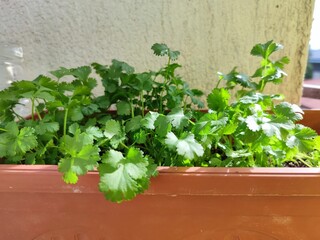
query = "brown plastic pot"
x=311 y=118
x=182 y=203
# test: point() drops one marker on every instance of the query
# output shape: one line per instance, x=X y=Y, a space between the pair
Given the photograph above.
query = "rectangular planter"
x=182 y=203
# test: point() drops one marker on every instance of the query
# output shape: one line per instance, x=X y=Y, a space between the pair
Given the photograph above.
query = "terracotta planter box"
x=182 y=203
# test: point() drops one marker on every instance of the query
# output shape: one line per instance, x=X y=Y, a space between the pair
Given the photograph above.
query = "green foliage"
x=155 y=121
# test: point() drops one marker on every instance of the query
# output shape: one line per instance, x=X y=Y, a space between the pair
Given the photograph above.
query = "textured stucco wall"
x=212 y=35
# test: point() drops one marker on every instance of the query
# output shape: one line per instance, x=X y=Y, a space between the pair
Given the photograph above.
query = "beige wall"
x=212 y=35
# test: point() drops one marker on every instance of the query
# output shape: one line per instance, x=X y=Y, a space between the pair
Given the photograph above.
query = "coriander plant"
x=157 y=121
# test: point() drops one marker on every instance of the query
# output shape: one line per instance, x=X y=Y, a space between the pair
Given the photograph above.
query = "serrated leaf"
x=17 y=141
x=94 y=132
x=209 y=123
x=173 y=55
x=160 y=49
x=277 y=153
x=140 y=137
x=133 y=124
x=252 y=123
x=290 y=111
x=122 y=66
x=123 y=108
x=76 y=113
x=61 y=72
x=145 y=82
x=177 y=118
x=218 y=99
x=187 y=147
x=265 y=50
x=238 y=153
x=80 y=156
x=82 y=73
x=149 y=120
x=302 y=139
x=122 y=178
x=70 y=177
x=230 y=129
x=317 y=142
x=113 y=131
x=112 y=128
x=162 y=126
x=44 y=127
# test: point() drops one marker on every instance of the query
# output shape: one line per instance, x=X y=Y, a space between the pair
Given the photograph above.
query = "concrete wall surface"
x=212 y=35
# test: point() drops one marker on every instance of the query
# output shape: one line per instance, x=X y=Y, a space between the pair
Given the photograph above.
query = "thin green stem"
x=39 y=115
x=131 y=107
x=32 y=109
x=191 y=122
x=166 y=80
x=142 y=103
x=304 y=162
x=218 y=83
x=65 y=122
x=123 y=145
x=2 y=129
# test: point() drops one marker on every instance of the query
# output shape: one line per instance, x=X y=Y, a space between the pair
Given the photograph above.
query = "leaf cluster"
x=149 y=119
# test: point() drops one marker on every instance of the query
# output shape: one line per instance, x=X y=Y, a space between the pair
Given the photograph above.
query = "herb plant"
x=156 y=121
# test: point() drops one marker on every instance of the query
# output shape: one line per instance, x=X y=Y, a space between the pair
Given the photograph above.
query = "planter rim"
x=181 y=170
x=173 y=181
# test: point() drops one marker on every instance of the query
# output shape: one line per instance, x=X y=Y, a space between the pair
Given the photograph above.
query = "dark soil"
x=294 y=164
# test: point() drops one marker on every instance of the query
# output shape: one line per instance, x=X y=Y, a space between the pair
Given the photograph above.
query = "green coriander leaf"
x=80 y=156
x=60 y=72
x=17 y=141
x=317 y=142
x=274 y=127
x=303 y=139
x=76 y=113
x=44 y=127
x=177 y=118
x=160 y=49
x=277 y=153
x=271 y=130
x=290 y=111
x=162 y=126
x=112 y=128
x=187 y=147
x=123 y=108
x=121 y=66
x=209 y=123
x=145 y=82
x=133 y=124
x=265 y=50
x=218 y=99
x=173 y=55
x=140 y=137
x=90 y=109
x=230 y=129
x=82 y=73
x=70 y=177
x=113 y=131
x=94 y=132
x=237 y=153
x=81 y=91
x=252 y=123
x=44 y=95
x=149 y=120
x=122 y=178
